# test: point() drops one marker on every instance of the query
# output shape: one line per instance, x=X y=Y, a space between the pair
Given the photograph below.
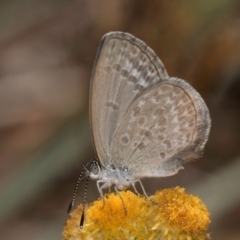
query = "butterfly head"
x=94 y=170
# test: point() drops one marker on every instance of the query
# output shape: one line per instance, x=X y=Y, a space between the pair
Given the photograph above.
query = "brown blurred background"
x=47 y=49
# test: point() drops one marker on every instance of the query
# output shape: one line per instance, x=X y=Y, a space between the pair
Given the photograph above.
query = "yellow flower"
x=170 y=214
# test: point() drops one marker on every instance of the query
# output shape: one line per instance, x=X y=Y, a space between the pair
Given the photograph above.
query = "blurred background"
x=47 y=49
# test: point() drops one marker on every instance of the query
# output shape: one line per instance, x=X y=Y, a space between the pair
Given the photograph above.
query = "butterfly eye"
x=95 y=169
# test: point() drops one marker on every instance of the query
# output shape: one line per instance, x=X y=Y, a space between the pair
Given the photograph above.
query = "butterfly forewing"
x=124 y=68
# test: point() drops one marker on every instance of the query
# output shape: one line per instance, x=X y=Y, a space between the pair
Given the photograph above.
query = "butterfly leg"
x=100 y=191
x=143 y=189
x=124 y=207
x=135 y=190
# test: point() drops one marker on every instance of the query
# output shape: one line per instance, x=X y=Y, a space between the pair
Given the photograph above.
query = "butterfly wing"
x=165 y=126
x=123 y=69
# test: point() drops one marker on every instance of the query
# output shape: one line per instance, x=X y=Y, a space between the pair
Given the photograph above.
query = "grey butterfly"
x=144 y=123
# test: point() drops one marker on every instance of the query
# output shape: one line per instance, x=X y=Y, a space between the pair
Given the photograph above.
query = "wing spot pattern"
x=158 y=112
x=125 y=139
x=162 y=121
x=141 y=121
x=124 y=73
x=107 y=68
x=162 y=129
x=162 y=155
x=117 y=67
x=168 y=144
x=160 y=137
x=132 y=79
x=136 y=111
x=113 y=106
x=141 y=146
x=138 y=88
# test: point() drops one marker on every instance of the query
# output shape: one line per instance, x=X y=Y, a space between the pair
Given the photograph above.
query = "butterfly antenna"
x=81 y=176
x=84 y=201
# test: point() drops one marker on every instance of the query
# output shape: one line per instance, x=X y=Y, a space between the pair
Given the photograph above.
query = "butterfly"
x=144 y=123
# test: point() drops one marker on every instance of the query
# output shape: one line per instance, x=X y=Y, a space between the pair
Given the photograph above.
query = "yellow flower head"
x=170 y=214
